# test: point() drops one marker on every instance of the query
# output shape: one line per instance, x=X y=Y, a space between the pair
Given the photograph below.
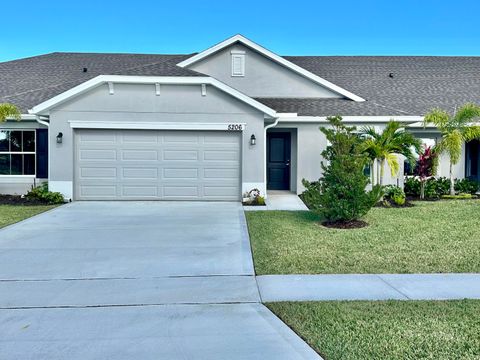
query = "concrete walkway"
x=136 y=280
x=280 y=200
x=369 y=287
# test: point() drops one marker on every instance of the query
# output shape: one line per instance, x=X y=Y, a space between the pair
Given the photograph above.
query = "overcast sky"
x=388 y=27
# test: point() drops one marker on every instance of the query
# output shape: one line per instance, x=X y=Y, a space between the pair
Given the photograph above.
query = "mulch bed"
x=391 y=204
x=18 y=200
x=354 y=224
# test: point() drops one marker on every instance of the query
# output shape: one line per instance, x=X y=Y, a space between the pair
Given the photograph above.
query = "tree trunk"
x=382 y=167
x=422 y=189
x=452 y=181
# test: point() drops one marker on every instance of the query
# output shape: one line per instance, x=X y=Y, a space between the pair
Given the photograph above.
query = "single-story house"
x=210 y=125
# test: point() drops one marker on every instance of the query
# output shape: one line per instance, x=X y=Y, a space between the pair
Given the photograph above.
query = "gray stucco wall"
x=263 y=77
x=176 y=104
x=310 y=142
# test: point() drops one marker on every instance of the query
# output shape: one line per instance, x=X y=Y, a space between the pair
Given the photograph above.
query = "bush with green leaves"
x=43 y=194
x=343 y=196
x=311 y=195
x=394 y=194
x=435 y=188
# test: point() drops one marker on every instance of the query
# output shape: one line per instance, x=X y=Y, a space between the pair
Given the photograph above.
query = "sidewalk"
x=368 y=287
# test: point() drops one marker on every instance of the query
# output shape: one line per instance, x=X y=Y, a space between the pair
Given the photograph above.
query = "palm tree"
x=385 y=146
x=455 y=129
x=9 y=111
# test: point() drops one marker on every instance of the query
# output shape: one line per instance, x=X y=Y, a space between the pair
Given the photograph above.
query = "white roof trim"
x=151 y=125
x=43 y=107
x=274 y=57
x=286 y=117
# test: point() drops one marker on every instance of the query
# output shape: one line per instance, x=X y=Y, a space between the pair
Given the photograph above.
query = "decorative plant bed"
x=19 y=200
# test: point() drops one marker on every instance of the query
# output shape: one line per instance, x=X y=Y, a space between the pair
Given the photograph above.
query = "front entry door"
x=278 y=161
x=472 y=168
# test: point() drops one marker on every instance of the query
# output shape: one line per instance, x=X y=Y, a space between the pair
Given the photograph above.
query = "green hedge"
x=435 y=188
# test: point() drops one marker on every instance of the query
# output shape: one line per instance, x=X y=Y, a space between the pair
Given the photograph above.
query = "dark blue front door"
x=472 y=159
x=278 y=161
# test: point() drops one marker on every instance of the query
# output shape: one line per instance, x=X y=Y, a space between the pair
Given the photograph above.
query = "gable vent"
x=238 y=63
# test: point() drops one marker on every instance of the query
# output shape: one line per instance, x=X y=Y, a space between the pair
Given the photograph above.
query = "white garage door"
x=155 y=165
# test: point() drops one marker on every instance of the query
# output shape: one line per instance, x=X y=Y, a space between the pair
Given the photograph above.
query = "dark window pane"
x=29 y=141
x=4 y=136
x=4 y=164
x=29 y=164
x=16 y=166
x=15 y=141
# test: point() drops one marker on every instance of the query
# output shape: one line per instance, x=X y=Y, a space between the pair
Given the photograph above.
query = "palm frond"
x=8 y=110
x=392 y=161
x=466 y=114
x=437 y=117
x=471 y=133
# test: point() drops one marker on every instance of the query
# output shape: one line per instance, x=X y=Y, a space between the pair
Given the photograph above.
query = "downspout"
x=265 y=151
x=40 y=121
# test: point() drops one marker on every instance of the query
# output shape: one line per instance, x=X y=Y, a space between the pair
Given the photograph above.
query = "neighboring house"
x=211 y=125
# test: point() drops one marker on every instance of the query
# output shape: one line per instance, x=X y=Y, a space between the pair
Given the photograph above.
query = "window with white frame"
x=238 y=63
x=17 y=152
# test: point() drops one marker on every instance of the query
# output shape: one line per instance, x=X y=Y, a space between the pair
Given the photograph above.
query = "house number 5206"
x=235 y=127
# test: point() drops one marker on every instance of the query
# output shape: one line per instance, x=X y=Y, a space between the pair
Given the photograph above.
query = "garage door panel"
x=179 y=173
x=98 y=191
x=135 y=191
x=98 y=154
x=98 y=173
x=140 y=173
x=218 y=155
x=142 y=155
x=184 y=165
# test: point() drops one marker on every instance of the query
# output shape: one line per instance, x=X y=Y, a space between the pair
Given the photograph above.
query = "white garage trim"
x=43 y=107
x=79 y=124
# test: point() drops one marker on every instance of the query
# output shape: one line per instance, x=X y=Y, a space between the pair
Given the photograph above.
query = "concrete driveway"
x=136 y=280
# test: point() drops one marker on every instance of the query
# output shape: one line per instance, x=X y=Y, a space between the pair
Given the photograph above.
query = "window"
x=17 y=152
x=238 y=63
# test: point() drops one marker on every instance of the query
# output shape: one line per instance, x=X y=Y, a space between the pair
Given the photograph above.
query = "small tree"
x=9 y=111
x=343 y=196
x=455 y=129
x=425 y=168
x=383 y=147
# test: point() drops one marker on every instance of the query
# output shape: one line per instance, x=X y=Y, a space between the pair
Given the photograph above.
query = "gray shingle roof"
x=418 y=83
x=28 y=82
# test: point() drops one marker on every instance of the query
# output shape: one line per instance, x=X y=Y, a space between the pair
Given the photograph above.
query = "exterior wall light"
x=253 y=140
x=59 y=138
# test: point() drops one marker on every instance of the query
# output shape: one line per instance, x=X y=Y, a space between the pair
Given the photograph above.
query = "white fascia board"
x=125 y=79
x=272 y=56
x=349 y=119
x=27 y=117
x=151 y=125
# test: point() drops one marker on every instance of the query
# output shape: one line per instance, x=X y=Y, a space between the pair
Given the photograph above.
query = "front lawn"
x=10 y=214
x=431 y=237
x=386 y=330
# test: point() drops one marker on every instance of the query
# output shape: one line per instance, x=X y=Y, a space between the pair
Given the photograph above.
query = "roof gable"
x=44 y=107
x=270 y=55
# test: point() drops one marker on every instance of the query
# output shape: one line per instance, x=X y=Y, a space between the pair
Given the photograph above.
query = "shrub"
x=466 y=186
x=43 y=194
x=435 y=188
x=343 y=197
x=394 y=194
x=311 y=195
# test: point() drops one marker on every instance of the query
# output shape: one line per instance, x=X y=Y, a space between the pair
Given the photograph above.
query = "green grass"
x=440 y=236
x=10 y=214
x=387 y=329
